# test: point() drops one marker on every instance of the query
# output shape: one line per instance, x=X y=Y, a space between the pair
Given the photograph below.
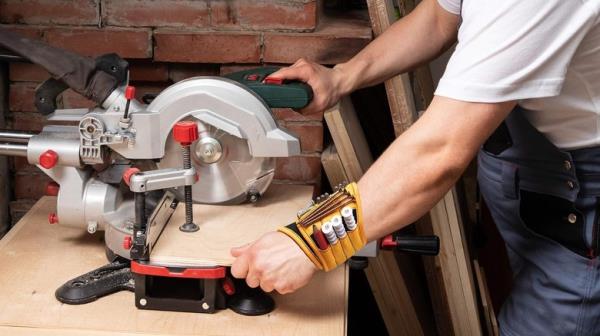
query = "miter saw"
x=124 y=166
x=119 y=167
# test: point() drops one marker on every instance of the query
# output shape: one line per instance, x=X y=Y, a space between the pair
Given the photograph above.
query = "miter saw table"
x=36 y=258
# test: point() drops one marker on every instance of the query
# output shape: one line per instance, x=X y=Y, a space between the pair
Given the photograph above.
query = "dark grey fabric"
x=78 y=72
x=556 y=289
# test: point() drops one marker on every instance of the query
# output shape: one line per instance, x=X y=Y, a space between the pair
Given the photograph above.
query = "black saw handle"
x=422 y=245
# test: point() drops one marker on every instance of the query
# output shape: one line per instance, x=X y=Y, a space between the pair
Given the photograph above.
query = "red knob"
x=128 y=174
x=48 y=159
x=52 y=189
x=228 y=286
x=185 y=132
x=130 y=92
x=127 y=242
x=52 y=218
x=388 y=243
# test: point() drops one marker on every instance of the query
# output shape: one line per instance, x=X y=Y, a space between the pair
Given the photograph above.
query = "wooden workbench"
x=36 y=258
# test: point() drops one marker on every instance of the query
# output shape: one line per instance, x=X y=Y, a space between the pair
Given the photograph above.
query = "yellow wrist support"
x=330 y=231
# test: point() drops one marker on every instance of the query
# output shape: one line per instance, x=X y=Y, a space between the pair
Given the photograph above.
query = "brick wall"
x=168 y=40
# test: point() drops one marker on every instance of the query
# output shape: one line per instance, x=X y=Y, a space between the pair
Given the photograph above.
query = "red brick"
x=21 y=97
x=310 y=135
x=28 y=121
x=145 y=71
x=206 y=47
x=264 y=15
x=127 y=43
x=178 y=72
x=335 y=41
x=298 y=168
x=231 y=68
x=164 y=13
x=72 y=99
x=34 y=32
x=69 y=12
x=22 y=94
x=20 y=163
x=26 y=72
x=30 y=185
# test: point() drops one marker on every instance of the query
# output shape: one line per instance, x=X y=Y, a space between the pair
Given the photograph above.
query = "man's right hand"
x=327 y=84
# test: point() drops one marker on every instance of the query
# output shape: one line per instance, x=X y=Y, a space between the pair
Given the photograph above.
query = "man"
x=539 y=172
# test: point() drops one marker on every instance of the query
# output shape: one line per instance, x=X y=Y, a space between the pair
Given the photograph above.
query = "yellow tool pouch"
x=330 y=230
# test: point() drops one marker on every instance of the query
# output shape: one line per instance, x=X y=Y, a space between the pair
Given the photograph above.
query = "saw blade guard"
x=239 y=138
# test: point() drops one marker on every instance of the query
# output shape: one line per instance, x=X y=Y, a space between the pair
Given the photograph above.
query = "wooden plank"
x=37 y=258
x=349 y=139
x=225 y=226
x=483 y=297
x=398 y=88
x=491 y=312
x=389 y=288
x=456 y=297
x=332 y=164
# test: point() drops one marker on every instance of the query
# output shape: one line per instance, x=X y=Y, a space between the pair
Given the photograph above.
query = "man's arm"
x=415 y=39
x=420 y=166
x=403 y=184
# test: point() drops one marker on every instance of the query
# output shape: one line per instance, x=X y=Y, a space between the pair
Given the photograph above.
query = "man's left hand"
x=273 y=262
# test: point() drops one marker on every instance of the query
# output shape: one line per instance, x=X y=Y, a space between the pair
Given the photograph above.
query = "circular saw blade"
x=231 y=178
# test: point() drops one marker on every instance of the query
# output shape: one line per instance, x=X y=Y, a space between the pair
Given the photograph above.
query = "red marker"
x=320 y=239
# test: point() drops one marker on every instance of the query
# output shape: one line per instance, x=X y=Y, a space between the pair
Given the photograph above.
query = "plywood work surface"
x=226 y=226
x=36 y=258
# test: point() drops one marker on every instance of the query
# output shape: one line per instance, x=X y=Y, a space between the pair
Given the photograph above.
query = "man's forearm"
x=415 y=39
x=422 y=165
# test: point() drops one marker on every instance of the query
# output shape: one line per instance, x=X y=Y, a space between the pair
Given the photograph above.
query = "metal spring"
x=187 y=164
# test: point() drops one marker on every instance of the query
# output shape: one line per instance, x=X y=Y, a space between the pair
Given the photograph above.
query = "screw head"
x=53 y=218
x=48 y=159
x=189 y=227
x=52 y=189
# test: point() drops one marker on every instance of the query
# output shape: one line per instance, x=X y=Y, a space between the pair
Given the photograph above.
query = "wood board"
x=36 y=258
x=491 y=322
x=225 y=226
x=398 y=88
x=387 y=283
x=332 y=164
x=450 y=276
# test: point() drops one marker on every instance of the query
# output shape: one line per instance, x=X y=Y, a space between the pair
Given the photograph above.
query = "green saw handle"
x=277 y=94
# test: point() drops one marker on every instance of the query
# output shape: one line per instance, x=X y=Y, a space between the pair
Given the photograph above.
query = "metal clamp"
x=162 y=179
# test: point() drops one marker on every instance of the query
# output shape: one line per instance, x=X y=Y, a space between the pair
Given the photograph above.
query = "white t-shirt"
x=543 y=53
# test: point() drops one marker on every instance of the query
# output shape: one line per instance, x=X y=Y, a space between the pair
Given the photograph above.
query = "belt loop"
x=510 y=180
